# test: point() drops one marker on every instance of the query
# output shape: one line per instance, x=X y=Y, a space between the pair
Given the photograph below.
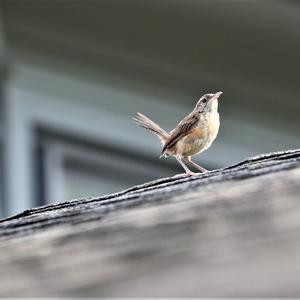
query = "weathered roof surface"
x=228 y=232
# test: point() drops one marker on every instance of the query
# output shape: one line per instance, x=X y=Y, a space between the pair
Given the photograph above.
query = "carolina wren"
x=192 y=135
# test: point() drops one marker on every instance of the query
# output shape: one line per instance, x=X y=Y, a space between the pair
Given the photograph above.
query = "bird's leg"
x=188 y=160
x=187 y=170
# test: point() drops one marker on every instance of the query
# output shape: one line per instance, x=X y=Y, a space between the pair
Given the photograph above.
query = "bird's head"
x=208 y=103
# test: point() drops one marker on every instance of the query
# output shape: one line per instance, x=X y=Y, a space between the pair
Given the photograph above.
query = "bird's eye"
x=204 y=100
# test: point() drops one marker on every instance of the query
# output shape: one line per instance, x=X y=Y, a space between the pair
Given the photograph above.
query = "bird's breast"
x=213 y=124
x=200 y=138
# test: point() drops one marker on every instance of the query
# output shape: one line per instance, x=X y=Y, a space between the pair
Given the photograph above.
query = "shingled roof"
x=229 y=232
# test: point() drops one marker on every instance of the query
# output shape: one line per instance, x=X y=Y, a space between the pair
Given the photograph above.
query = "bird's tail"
x=148 y=124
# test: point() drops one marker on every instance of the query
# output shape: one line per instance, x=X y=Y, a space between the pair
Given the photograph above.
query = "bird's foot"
x=186 y=174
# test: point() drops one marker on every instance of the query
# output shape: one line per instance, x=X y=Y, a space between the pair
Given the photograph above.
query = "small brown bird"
x=192 y=135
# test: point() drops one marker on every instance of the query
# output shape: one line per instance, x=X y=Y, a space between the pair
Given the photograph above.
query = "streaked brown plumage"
x=192 y=135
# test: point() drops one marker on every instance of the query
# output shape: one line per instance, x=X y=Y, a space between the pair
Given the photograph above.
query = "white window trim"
x=56 y=151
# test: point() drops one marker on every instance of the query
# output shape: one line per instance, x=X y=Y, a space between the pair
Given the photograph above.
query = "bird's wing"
x=182 y=129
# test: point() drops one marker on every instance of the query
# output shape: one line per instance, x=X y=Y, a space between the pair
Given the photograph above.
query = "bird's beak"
x=217 y=95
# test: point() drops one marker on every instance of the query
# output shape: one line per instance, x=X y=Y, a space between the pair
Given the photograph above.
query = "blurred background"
x=74 y=73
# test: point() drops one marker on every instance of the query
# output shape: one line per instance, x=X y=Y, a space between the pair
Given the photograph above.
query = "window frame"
x=57 y=150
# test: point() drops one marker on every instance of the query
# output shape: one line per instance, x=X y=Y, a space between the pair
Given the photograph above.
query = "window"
x=70 y=168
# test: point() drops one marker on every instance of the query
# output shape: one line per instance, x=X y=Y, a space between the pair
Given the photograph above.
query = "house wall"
x=78 y=71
